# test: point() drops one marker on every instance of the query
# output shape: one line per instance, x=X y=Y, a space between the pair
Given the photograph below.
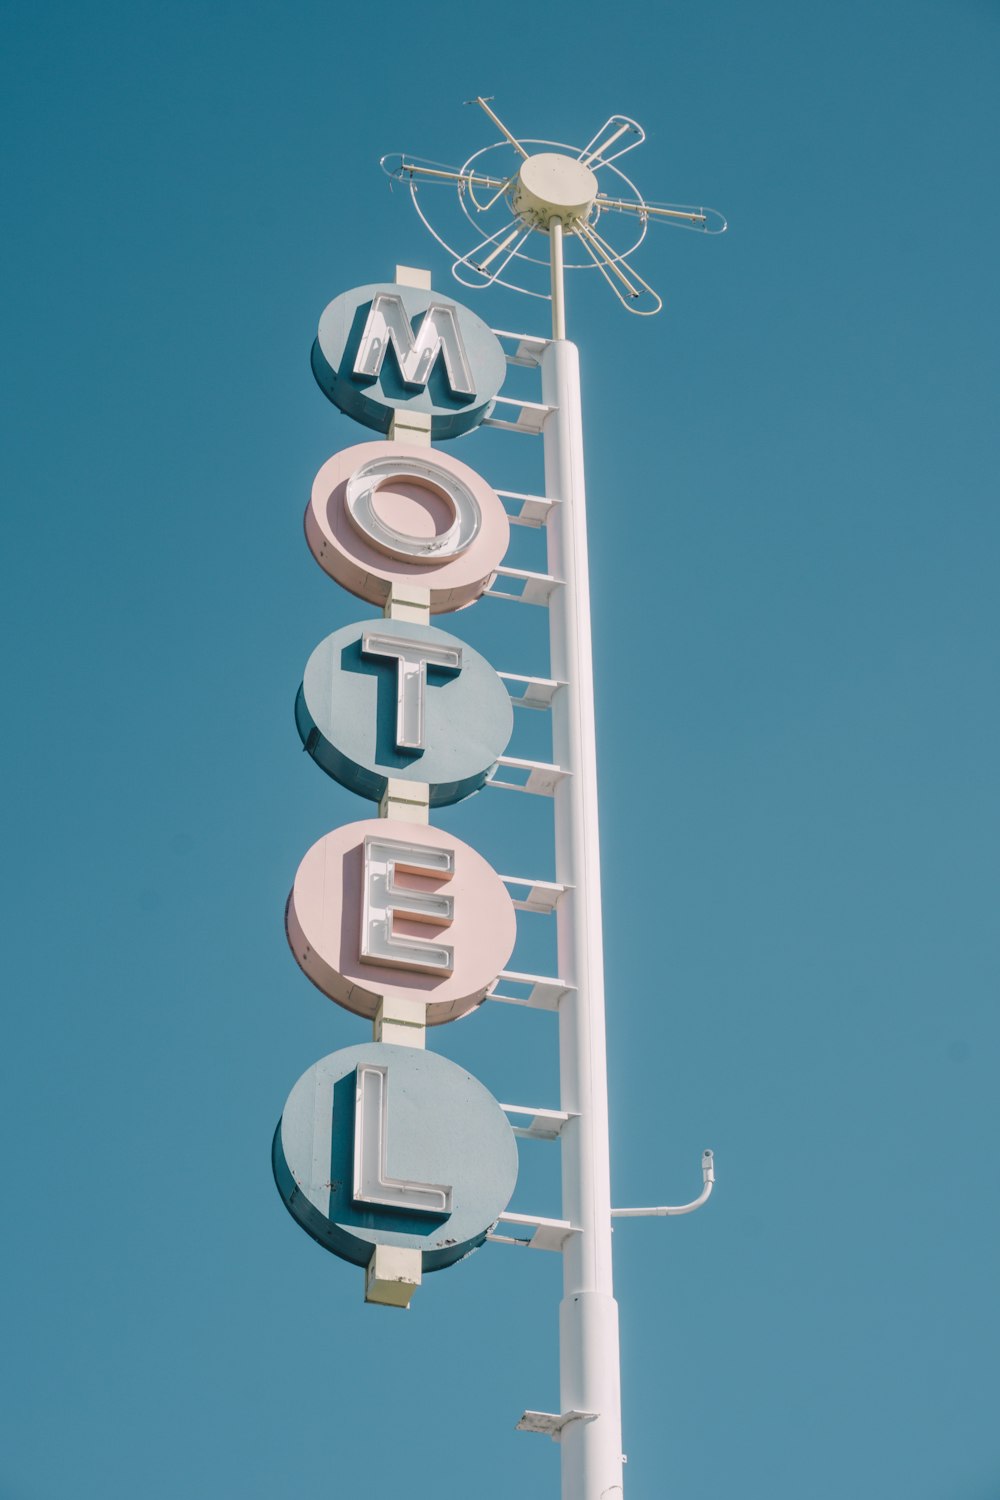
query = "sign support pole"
x=558 y=279
x=590 y=1388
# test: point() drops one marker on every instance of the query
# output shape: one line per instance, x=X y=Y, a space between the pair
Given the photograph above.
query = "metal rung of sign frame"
x=540 y=777
x=546 y=1234
x=531 y=415
x=528 y=347
x=544 y=992
x=537 y=692
x=527 y=510
x=536 y=588
x=550 y=1424
x=539 y=895
x=544 y=1124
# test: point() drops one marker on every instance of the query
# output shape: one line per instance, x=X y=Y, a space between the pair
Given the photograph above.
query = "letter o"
x=385 y=514
x=360 y=499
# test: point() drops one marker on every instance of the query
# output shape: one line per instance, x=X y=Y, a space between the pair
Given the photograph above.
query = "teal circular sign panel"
x=385 y=348
x=390 y=698
x=385 y=1145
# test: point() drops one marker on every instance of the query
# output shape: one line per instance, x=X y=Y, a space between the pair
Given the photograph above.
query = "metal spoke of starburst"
x=484 y=105
x=609 y=265
x=622 y=125
x=514 y=238
x=709 y=220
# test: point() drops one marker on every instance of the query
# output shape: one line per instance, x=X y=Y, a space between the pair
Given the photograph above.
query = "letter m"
x=416 y=353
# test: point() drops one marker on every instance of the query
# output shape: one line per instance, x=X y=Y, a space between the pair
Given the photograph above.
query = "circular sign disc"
x=385 y=908
x=384 y=348
x=386 y=1145
x=391 y=513
x=367 y=711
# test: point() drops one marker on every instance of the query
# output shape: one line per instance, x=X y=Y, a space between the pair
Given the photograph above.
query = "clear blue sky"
x=792 y=481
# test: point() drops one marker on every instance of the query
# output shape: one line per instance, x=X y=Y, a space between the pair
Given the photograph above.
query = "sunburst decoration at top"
x=513 y=189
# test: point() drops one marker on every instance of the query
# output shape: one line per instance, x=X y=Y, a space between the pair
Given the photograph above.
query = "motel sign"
x=390 y=1156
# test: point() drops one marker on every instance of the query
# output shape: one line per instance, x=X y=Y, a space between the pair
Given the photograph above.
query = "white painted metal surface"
x=559 y=304
x=588 y=1320
x=550 y=184
x=666 y=1211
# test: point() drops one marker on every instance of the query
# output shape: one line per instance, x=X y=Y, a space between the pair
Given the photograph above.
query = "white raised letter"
x=466 y=521
x=372 y=1183
x=388 y=323
x=413 y=658
x=383 y=900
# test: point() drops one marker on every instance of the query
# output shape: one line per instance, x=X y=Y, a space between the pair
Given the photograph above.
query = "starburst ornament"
x=593 y=215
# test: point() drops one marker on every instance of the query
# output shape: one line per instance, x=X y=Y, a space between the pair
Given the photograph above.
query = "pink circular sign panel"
x=402 y=910
x=394 y=513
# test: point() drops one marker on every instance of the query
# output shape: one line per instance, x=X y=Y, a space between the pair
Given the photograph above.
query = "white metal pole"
x=588 y=1317
x=558 y=279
